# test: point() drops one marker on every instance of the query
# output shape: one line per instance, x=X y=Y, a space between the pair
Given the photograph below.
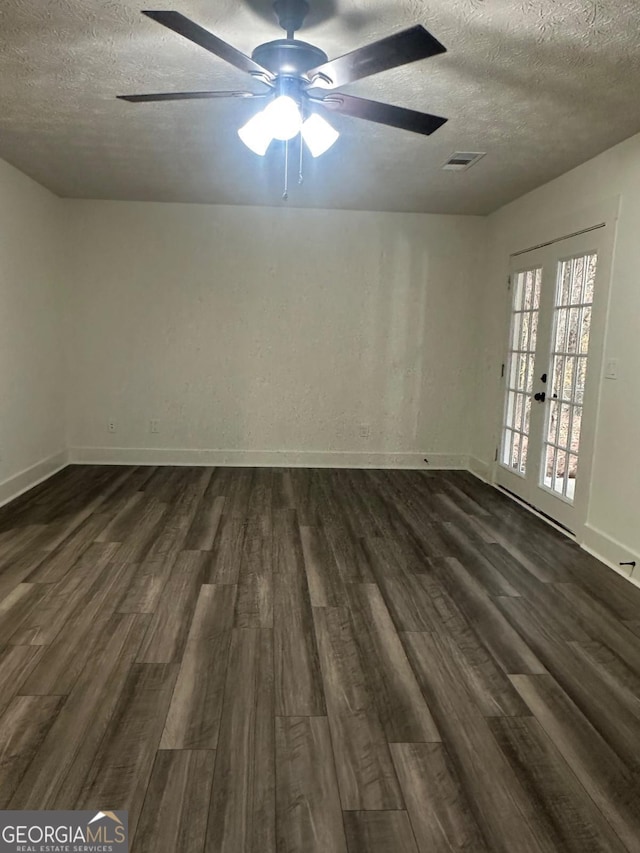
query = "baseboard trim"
x=265 y=458
x=610 y=552
x=19 y=483
x=482 y=470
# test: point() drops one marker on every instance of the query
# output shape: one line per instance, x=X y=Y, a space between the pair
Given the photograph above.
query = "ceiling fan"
x=301 y=79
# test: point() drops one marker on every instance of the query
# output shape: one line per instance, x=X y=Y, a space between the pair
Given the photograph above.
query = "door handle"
x=540 y=396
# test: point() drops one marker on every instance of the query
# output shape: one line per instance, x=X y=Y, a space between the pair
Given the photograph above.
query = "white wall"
x=614 y=514
x=265 y=330
x=32 y=416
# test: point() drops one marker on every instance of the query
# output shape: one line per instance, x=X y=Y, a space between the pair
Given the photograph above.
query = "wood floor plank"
x=16 y=663
x=16 y=571
x=403 y=589
x=16 y=541
x=226 y=556
x=169 y=537
x=541 y=598
x=599 y=622
x=308 y=814
x=254 y=608
x=402 y=709
x=23 y=727
x=570 y=814
x=479 y=492
x=254 y=660
x=122 y=766
x=282 y=490
x=193 y=721
x=165 y=483
x=367 y=512
x=124 y=521
x=633 y=625
x=242 y=815
x=220 y=482
x=428 y=534
x=492 y=691
x=461 y=510
x=169 y=626
x=439 y=811
x=60 y=600
x=56 y=776
x=621 y=597
x=298 y=682
x=16 y=609
x=59 y=562
x=239 y=492
x=502 y=640
x=149 y=525
x=182 y=485
x=527 y=561
x=70 y=650
x=143 y=590
x=379 y=832
x=206 y=521
x=69 y=530
x=176 y=807
x=366 y=777
x=307 y=494
x=408 y=603
x=610 y=784
x=609 y=711
x=501 y=809
x=349 y=554
x=326 y=587
x=614 y=673
x=470 y=554
x=260 y=504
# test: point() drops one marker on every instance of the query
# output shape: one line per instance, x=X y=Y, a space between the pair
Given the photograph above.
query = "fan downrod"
x=291 y=14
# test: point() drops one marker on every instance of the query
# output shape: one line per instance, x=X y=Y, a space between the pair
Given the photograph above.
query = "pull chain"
x=285 y=194
x=300 y=175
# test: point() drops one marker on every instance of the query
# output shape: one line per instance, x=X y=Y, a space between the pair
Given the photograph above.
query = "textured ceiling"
x=540 y=85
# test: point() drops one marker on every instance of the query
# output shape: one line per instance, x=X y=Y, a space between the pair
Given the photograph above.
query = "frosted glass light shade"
x=318 y=134
x=282 y=118
x=256 y=134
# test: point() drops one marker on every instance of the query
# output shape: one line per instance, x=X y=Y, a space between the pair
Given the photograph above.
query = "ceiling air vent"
x=462 y=160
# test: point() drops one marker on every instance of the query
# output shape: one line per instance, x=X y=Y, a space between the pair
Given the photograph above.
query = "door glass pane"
x=519 y=369
x=569 y=353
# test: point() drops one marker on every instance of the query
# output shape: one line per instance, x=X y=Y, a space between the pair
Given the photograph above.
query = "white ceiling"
x=540 y=85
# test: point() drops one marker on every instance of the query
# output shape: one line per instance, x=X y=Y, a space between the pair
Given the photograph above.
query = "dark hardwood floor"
x=315 y=661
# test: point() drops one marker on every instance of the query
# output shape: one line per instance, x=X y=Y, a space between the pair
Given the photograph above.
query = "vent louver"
x=463 y=160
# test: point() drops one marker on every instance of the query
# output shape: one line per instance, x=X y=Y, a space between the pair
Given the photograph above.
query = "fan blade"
x=381 y=113
x=198 y=35
x=189 y=96
x=391 y=52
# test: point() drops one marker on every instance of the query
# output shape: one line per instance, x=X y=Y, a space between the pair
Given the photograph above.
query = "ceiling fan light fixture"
x=256 y=134
x=289 y=67
x=282 y=118
x=318 y=134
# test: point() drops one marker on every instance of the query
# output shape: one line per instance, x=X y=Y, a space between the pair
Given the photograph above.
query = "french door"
x=551 y=376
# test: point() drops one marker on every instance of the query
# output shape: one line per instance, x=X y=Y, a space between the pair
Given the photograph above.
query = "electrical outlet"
x=611 y=368
x=365 y=430
x=154 y=426
x=112 y=426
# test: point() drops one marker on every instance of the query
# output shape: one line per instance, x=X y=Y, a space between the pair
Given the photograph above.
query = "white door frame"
x=602 y=216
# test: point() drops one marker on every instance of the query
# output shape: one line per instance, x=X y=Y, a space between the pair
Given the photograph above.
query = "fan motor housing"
x=289 y=57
